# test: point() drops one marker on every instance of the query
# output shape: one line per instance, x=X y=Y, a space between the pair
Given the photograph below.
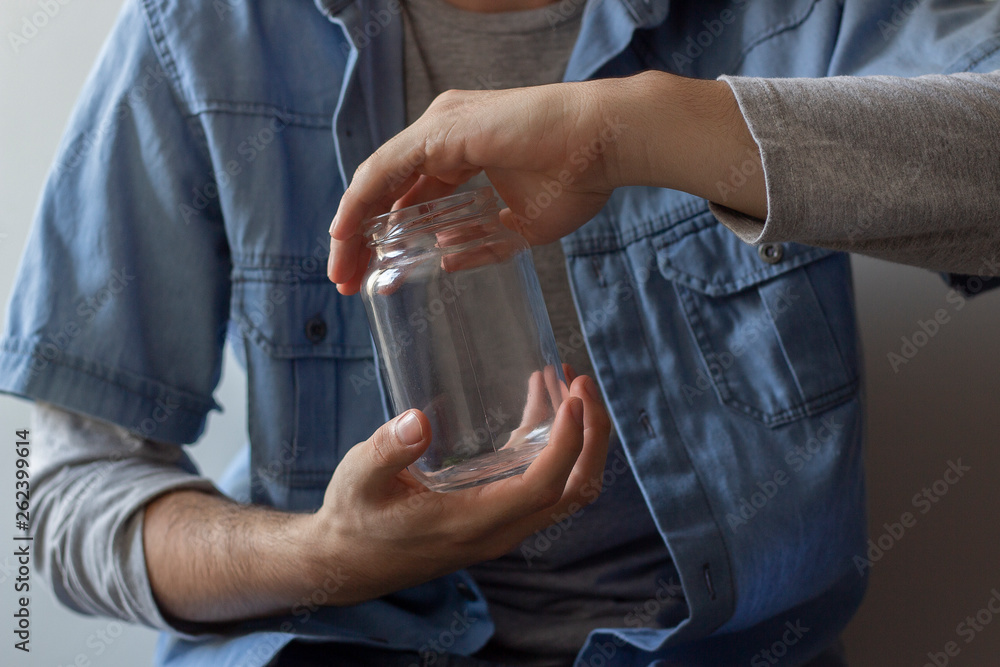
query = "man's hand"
x=378 y=531
x=388 y=532
x=554 y=154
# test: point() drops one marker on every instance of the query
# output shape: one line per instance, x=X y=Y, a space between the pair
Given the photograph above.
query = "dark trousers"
x=306 y=654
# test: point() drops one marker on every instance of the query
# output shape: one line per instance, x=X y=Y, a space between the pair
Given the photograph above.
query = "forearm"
x=125 y=528
x=688 y=135
x=903 y=169
x=210 y=559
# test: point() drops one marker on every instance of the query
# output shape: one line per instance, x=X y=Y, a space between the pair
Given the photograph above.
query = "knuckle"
x=449 y=99
x=380 y=449
x=361 y=170
x=435 y=148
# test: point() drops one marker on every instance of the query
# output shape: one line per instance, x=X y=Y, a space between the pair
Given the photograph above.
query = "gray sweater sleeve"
x=90 y=481
x=904 y=169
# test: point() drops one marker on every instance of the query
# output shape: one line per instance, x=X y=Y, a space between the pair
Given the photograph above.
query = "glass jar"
x=462 y=333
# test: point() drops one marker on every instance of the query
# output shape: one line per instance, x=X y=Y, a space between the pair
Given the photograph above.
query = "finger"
x=391 y=171
x=583 y=486
x=372 y=464
x=558 y=391
x=569 y=374
x=425 y=189
x=535 y=409
x=542 y=484
x=384 y=177
x=345 y=230
x=353 y=284
x=491 y=253
x=343 y=262
x=584 y=483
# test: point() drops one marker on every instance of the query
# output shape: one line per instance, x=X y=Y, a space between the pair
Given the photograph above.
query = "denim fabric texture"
x=189 y=206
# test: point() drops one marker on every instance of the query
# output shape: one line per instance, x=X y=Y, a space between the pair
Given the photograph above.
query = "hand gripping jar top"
x=462 y=333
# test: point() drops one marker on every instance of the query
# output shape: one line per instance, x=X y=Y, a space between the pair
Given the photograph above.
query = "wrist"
x=689 y=135
x=323 y=575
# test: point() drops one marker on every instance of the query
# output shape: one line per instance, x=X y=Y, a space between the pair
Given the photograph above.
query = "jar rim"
x=452 y=209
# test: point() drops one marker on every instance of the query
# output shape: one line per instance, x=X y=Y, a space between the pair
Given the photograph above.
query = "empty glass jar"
x=462 y=334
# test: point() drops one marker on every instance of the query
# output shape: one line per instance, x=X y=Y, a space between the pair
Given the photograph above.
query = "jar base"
x=484 y=469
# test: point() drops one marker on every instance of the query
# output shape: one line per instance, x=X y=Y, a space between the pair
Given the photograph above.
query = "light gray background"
x=942 y=405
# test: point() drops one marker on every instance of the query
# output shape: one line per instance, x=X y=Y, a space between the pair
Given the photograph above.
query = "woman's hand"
x=543 y=148
x=554 y=154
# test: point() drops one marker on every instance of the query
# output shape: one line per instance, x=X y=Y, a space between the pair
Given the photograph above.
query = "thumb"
x=395 y=445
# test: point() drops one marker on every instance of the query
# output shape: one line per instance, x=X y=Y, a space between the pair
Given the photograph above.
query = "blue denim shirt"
x=189 y=205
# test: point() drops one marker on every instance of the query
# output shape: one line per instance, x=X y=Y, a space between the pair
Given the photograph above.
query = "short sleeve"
x=120 y=305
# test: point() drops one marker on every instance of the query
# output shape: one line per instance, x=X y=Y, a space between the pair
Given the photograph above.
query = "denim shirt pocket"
x=313 y=392
x=768 y=340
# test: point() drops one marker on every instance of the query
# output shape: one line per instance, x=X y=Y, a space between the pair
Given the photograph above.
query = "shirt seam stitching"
x=261 y=109
x=189 y=403
x=790 y=24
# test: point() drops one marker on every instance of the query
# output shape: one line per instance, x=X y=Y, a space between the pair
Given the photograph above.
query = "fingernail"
x=408 y=429
x=333 y=225
x=592 y=389
x=329 y=261
x=576 y=408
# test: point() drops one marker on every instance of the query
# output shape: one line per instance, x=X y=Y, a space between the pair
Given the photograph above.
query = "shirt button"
x=466 y=591
x=771 y=252
x=316 y=330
